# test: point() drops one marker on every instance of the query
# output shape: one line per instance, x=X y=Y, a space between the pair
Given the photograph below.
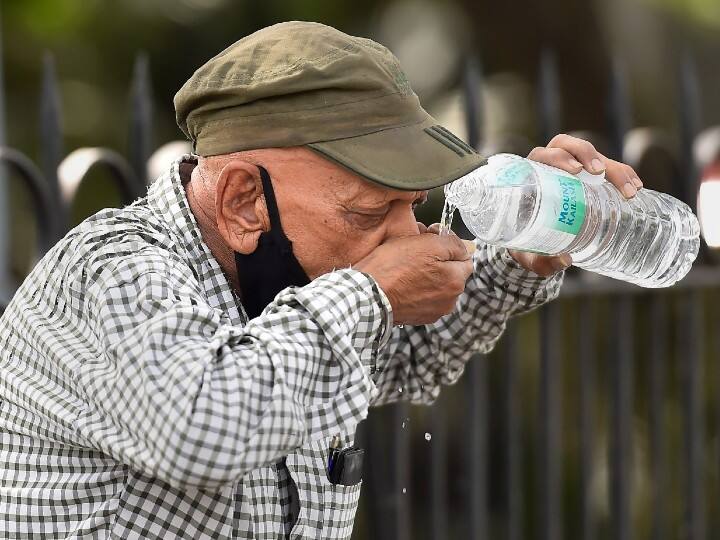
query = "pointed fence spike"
x=472 y=88
x=140 y=132
x=51 y=134
x=549 y=96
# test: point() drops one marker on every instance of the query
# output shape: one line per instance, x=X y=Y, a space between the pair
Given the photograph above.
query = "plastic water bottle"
x=650 y=240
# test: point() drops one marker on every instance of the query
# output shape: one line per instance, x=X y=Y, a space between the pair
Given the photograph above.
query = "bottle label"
x=566 y=203
x=561 y=213
x=515 y=173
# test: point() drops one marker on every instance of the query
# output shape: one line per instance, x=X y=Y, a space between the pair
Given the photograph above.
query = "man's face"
x=333 y=217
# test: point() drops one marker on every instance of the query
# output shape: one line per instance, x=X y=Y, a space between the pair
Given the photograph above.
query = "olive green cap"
x=346 y=97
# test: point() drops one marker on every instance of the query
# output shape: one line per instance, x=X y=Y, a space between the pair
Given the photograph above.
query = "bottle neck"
x=468 y=192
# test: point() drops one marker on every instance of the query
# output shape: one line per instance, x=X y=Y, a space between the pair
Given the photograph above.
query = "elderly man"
x=179 y=368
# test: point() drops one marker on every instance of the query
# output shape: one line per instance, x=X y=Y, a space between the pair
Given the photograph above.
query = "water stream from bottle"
x=446 y=218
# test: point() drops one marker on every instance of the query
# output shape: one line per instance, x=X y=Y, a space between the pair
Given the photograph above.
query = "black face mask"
x=272 y=267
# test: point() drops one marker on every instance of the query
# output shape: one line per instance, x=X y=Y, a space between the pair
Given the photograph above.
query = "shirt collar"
x=166 y=196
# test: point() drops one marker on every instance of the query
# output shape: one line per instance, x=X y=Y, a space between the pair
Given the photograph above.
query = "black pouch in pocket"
x=347 y=465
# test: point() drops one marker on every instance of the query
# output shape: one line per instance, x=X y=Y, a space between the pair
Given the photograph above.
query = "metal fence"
x=594 y=418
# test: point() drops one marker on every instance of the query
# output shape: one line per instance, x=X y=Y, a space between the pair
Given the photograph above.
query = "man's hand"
x=421 y=275
x=572 y=155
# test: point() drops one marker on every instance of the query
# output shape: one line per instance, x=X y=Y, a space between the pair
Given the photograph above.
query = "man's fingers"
x=447 y=247
x=557 y=157
x=622 y=177
x=542 y=265
x=434 y=228
x=458 y=274
x=469 y=244
x=422 y=227
x=592 y=160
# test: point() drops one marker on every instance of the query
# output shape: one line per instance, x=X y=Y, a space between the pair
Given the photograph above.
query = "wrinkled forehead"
x=349 y=185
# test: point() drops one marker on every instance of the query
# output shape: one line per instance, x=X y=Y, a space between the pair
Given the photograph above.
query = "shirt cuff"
x=365 y=314
x=370 y=355
x=388 y=319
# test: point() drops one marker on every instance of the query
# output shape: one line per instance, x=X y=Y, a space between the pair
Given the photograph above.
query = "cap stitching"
x=445 y=142
x=233 y=119
x=457 y=140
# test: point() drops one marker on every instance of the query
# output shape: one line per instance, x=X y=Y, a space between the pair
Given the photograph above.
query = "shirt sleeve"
x=181 y=394
x=418 y=360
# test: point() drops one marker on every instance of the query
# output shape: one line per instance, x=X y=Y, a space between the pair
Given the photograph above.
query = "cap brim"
x=415 y=157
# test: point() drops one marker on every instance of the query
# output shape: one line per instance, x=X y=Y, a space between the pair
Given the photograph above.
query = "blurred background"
x=596 y=417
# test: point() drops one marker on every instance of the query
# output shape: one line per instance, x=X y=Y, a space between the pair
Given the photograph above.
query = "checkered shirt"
x=137 y=401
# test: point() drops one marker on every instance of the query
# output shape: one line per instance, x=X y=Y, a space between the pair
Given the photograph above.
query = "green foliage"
x=703 y=12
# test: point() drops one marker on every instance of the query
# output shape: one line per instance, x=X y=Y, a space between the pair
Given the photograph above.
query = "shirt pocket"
x=341 y=503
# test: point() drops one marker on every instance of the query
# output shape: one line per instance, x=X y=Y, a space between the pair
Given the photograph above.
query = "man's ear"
x=240 y=206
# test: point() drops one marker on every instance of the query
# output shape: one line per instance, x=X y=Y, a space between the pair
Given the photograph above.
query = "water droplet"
x=404 y=490
x=403 y=425
x=400 y=389
x=428 y=436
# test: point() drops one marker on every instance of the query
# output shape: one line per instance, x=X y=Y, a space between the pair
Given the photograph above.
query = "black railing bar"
x=362 y=440
x=2 y=83
x=689 y=355
x=619 y=112
x=620 y=446
x=700 y=277
x=657 y=344
x=47 y=232
x=5 y=283
x=549 y=421
x=549 y=98
x=620 y=450
x=378 y=482
x=471 y=91
x=548 y=471
x=437 y=439
x=477 y=447
x=140 y=129
x=586 y=348
x=714 y=358
x=689 y=108
x=51 y=135
x=402 y=460
x=475 y=378
x=513 y=449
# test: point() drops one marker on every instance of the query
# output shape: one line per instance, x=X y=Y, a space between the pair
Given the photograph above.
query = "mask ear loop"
x=271 y=204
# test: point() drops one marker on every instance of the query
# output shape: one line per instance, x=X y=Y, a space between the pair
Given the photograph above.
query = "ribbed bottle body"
x=650 y=240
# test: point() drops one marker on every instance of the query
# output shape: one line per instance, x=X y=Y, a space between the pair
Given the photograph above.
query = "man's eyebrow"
x=421 y=199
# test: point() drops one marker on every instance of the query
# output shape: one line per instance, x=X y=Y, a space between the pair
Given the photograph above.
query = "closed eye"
x=366 y=220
